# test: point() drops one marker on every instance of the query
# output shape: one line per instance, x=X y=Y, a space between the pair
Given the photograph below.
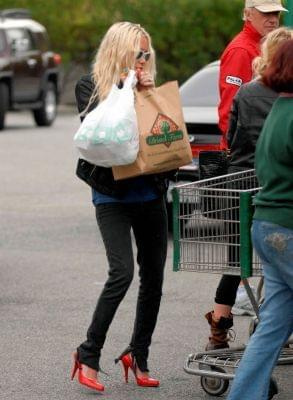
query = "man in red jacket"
x=261 y=17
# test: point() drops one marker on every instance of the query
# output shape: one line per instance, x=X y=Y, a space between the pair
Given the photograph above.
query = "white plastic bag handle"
x=131 y=80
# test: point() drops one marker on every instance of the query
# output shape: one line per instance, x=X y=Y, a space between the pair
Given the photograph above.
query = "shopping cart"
x=211 y=234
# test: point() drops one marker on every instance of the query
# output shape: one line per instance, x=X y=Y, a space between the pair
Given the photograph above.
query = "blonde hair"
x=268 y=49
x=116 y=54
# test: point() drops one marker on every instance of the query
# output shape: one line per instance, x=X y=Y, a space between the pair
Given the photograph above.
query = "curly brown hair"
x=279 y=74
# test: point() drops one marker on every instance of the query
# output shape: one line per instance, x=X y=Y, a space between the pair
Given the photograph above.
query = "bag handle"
x=130 y=81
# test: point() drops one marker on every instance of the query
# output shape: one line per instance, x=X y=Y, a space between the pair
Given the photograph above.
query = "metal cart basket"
x=208 y=216
x=211 y=234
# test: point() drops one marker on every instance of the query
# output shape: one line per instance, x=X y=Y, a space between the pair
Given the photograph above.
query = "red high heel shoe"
x=145 y=381
x=83 y=380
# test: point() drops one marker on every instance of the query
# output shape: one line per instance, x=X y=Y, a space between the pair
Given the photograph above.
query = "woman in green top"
x=272 y=234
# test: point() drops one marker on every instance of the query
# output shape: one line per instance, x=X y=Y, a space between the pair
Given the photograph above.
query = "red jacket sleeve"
x=235 y=69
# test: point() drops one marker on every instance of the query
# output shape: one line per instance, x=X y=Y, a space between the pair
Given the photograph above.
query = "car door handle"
x=31 y=62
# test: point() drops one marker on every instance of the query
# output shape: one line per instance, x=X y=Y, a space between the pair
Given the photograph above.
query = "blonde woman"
x=135 y=204
x=250 y=108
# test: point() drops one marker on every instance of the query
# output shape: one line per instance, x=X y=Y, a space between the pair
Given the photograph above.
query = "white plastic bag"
x=108 y=135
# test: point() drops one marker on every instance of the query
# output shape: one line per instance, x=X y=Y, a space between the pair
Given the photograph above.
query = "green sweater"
x=274 y=165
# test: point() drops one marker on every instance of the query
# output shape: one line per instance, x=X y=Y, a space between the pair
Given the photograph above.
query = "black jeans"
x=227 y=290
x=228 y=285
x=148 y=220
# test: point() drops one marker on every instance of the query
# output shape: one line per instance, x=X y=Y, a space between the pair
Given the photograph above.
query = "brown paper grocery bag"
x=163 y=141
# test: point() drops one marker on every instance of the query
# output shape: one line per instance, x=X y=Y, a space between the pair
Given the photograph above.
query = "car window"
x=19 y=40
x=42 y=40
x=201 y=89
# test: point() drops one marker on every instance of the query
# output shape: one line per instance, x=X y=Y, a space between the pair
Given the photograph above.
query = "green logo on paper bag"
x=164 y=131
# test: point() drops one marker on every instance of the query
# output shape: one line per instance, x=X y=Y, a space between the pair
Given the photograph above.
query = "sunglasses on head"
x=143 y=54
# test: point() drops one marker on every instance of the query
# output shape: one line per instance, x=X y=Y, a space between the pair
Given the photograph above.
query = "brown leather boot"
x=219 y=331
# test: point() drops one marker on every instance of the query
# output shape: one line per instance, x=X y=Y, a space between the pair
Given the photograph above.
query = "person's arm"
x=235 y=70
x=83 y=91
x=290 y=144
x=233 y=119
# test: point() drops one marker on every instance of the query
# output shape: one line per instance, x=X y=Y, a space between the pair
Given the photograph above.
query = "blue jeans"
x=274 y=245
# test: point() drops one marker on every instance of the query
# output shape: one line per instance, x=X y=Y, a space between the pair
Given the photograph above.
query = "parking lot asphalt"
x=52 y=269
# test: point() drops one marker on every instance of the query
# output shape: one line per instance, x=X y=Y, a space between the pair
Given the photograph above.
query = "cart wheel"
x=273 y=388
x=214 y=386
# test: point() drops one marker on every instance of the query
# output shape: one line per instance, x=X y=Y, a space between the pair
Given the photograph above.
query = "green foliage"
x=186 y=33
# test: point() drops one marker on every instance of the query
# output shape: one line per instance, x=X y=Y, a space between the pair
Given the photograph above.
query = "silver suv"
x=200 y=98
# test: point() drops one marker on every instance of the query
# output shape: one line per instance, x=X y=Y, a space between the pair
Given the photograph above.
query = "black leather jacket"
x=101 y=178
x=250 y=107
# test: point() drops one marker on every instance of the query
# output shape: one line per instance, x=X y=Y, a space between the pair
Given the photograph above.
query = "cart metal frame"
x=211 y=234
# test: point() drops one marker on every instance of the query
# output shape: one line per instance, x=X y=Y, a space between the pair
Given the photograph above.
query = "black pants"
x=148 y=221
x=227 y=290
x=228 y=285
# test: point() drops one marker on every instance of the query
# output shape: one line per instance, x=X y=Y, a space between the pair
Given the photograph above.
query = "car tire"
x=46 y=114
x=4 y=102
